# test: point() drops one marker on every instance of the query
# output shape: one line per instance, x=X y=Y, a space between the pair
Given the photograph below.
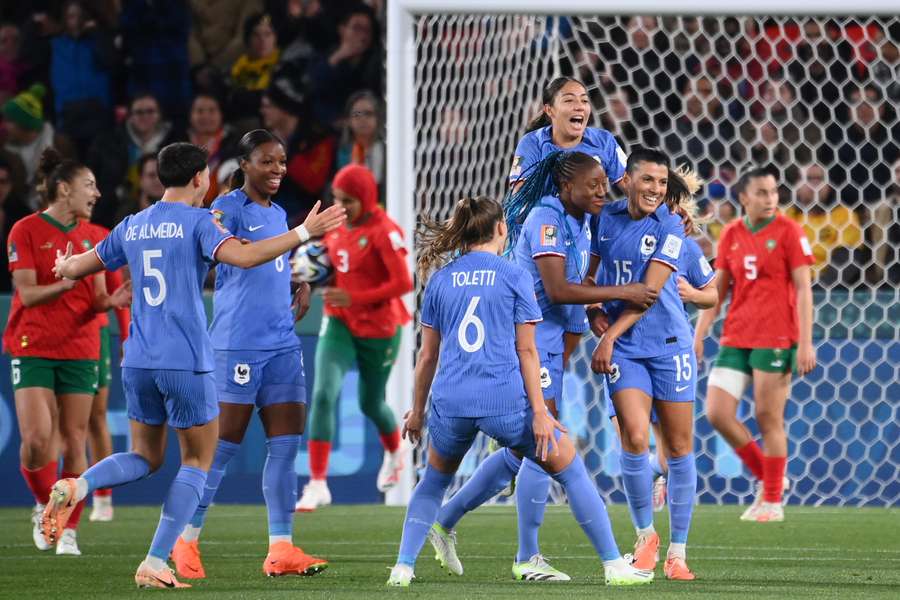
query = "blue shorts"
x=453 y=436
x=671 y=377
x=260 y=377
x=611 y=410
x=180 y=398
x=552 y=377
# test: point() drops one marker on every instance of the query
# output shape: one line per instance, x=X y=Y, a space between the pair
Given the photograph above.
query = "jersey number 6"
x=471 y=320
x=150 y=271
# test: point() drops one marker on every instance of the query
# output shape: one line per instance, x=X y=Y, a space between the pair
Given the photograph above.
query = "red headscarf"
x=358 y=181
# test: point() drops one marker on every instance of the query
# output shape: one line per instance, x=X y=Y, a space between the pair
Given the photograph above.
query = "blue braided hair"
x=544 y=178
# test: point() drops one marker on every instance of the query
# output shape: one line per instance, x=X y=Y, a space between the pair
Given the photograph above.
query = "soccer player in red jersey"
x=364 y=312
x=53 y=336
x=764 y=260
x=99 y=438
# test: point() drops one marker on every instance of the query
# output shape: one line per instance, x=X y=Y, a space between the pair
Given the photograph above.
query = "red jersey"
x=370 y=264
x=65 y=328
x=114 y=280
x=763 y=310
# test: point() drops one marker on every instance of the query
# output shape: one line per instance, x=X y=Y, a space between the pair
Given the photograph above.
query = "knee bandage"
x=730 y=380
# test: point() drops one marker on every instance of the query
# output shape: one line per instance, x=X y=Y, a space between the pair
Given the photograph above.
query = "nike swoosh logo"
x=604 y=239
x=681 y=389
x=255 y=228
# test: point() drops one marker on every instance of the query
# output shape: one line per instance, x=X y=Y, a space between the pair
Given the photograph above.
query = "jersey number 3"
x=150 y=271
x=470 y=319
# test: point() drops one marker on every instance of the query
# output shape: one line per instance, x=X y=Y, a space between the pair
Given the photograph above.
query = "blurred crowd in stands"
x=112 y=81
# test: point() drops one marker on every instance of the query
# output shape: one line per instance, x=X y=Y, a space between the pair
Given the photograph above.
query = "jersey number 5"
x=150 y=271
x=750 y=266
x=470 y=319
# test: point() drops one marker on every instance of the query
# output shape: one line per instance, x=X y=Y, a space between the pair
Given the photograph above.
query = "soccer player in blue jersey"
x=694 y=278
x=478 y=318
x=553 y=245
x=648 y=355
x=258 y=361
x=167 y=371
x=564 y=125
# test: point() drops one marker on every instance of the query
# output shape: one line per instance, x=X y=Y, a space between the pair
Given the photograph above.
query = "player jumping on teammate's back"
x=479 y=363
x=553 y=245
x=258 y=361
x=764 y=261
x=647 y=355
x=167 y=371
x=53 y=337
x=363 y=315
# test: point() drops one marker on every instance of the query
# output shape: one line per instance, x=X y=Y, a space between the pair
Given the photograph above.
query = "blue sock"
x=181 y=501
x=682 y=490
x=421 y=512
x=116 y=469
x=638 y=481
x=655 y=467
x=280 y=483
x=492 y=475
x=225 y=451
x=532 y=488
x=588 y=508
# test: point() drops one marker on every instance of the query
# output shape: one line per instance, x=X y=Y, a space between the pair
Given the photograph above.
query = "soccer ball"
x=311 y=264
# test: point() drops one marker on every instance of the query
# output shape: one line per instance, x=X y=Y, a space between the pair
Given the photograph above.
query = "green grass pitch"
x=818 y=553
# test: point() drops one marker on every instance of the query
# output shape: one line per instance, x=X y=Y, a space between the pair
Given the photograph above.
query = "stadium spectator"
x=883 y=235
x=12 y=208
x=702 y=133
x=149 y=191
x=28 y=135
x=208 y=130
x=310 y=148
x=114 y=155
x=885 y=70
x=155 y=48
x=833 y=229
x=82 y=59
x=11 y=66
x=252 y=72
x=215 y=36
x=362 y=140
x=355 y=64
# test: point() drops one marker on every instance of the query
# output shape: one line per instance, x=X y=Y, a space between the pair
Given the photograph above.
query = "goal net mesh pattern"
x=815 y=97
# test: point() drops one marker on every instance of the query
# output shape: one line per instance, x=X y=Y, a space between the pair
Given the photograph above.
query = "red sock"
x=390 y=441
x=752 y=456
x=773 y=478
x=319 y=452
x=40 y=481
x=75 y=517
x=103 y=492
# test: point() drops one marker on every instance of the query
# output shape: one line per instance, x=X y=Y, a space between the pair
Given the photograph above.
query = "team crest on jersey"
x=546 y=381
x=770 y=245
x=548 y=235
x=648 y=245
x=516 y=169
x=363 y=241
x=11 y=252
x=86 y=244
x=242 y=373
x=614 y=373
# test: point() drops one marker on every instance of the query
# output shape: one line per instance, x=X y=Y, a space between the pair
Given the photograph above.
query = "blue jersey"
x=475 y=303
x=599 y=143
x=168 y=249
x=693 y=266
x=549 y=231
x=626 y=247
x=252 y=307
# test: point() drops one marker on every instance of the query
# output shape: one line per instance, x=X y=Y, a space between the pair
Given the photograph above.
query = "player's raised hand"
x=806 y=359
x=59 y=266
x=639 y=294
x=301 y=300
x=412 y=426
x=544 y=427
x=601 y=360
x=599 y=321
x=319 y=223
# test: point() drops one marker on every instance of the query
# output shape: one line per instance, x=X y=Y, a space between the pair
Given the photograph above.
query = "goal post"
x=452 y=124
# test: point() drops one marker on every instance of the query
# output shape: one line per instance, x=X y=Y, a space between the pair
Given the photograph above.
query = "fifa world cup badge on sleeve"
x=11 y=252
x=672 y=246
x=548 y=235
x=516 y=169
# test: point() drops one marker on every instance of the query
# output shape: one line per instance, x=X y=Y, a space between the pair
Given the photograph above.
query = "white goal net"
x=816 y=97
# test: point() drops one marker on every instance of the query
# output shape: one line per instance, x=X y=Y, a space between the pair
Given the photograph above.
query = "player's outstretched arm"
x=68 y=266
x=317 y=223
x=707 y=316
x=561 y=291
x=33 y=294
x=426 y=365
x=806 y=354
